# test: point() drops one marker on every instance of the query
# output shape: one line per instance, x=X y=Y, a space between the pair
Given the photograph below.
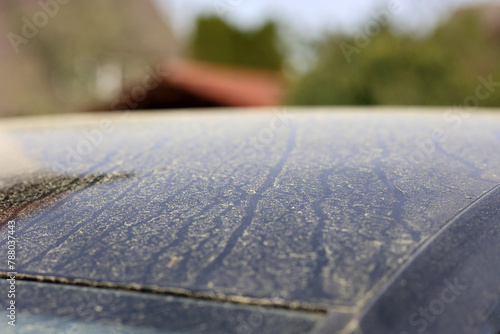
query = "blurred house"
x=22 y=75
x=491 y=17
x=57 y=57
x=194 y=84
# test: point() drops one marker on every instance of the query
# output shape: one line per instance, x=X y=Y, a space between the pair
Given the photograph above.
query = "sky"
x=312 y=17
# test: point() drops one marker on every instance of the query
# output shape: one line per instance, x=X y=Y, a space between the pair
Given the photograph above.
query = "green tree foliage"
x=442 y=69
x=216 y=41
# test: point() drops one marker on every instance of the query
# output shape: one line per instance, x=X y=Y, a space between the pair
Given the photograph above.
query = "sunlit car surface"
x=377 y=220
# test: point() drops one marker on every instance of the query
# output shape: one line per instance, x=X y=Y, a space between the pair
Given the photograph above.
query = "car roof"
x=311 y=210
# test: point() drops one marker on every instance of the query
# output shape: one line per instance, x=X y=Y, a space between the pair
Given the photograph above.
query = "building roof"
x=195 y=84
x=227 y=85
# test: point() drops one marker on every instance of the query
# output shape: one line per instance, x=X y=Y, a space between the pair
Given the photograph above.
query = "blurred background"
x=62 y=56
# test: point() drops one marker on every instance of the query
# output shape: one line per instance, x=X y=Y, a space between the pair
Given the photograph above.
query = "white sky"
x=313 y=16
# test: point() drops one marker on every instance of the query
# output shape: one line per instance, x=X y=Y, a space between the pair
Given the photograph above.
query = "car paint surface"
x=309 y=210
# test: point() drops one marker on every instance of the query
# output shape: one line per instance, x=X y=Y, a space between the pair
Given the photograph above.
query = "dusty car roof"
x=304 y=209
